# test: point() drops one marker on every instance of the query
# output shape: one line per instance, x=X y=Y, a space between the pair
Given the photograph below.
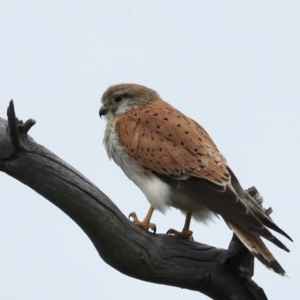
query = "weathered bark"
x=217 y=273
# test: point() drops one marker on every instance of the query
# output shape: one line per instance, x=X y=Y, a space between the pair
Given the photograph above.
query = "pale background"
x=232 y=66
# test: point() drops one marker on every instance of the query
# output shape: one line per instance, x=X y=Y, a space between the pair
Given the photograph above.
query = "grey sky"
x=232 y=66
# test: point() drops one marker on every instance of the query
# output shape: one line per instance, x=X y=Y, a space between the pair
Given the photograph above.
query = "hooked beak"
x=103 y=111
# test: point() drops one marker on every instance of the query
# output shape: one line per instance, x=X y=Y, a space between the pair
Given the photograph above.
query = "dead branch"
x=218 y=273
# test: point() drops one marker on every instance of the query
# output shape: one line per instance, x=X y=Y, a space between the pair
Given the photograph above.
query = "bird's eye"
x=118 y=99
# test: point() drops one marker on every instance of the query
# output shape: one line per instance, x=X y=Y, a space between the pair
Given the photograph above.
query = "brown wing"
x=162 y=139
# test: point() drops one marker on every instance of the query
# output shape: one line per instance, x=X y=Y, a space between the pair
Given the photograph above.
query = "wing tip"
x=278 y=243
x=279 y=230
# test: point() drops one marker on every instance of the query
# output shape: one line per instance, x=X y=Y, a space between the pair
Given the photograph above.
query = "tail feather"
x=256 y=246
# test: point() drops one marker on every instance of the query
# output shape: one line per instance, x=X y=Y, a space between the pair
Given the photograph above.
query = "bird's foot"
x=185 y=234
x=145 y=224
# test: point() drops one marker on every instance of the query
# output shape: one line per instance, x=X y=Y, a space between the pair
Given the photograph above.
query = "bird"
x=175 y=163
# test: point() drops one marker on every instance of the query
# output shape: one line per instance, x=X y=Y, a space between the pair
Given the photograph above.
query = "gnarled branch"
x=218 y=273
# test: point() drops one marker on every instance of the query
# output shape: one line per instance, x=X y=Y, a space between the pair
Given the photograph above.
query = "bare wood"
x=217 y=273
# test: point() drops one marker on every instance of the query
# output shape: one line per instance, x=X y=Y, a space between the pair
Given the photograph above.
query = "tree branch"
x=164 y=259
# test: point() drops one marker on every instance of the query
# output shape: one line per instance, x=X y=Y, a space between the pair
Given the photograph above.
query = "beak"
x=103 y=111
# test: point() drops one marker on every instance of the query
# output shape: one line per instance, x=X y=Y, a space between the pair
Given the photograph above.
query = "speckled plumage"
x=172 y=159
x=161 y=138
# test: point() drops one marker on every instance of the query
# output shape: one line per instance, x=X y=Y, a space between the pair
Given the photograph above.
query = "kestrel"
x=175 y=163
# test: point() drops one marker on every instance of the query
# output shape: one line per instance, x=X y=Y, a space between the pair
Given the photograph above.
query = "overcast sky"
x=232 y=66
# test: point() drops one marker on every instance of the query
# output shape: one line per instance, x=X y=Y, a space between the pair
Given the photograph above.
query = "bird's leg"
x=145 y=224
x=186 y=232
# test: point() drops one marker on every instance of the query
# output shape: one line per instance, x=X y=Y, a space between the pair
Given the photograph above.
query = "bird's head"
x=120 y=98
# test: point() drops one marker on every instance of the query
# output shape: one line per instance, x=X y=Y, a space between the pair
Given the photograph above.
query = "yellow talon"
x=145 y=224
x=186 y=233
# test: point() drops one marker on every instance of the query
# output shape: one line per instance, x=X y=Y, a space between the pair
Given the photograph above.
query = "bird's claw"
x=143 y=224
x=185 y=234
